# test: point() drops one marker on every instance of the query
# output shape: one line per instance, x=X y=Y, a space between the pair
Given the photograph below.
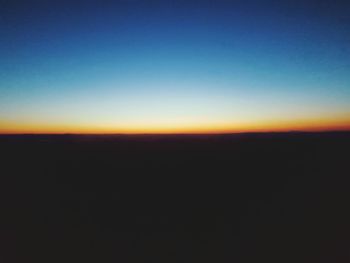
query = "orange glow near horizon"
x=339 y=124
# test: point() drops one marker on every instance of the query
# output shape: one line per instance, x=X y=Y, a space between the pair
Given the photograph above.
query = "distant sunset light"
x=173 y=67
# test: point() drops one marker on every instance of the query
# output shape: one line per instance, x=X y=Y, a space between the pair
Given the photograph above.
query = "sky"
x=133 y=66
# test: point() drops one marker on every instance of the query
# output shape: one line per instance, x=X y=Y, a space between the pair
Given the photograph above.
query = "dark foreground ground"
x=223 y=198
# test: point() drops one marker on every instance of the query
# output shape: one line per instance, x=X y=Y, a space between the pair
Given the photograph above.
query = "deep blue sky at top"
x=131 y=61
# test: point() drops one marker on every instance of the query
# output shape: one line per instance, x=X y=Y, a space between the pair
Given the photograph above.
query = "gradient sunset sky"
x=133 y=66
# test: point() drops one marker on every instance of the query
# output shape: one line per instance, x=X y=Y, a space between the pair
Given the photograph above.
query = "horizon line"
x=184 y=133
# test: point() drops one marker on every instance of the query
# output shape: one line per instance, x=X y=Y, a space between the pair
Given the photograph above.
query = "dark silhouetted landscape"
x=273 y=197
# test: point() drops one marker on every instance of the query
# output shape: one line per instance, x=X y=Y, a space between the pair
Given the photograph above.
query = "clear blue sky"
x=127 y=64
